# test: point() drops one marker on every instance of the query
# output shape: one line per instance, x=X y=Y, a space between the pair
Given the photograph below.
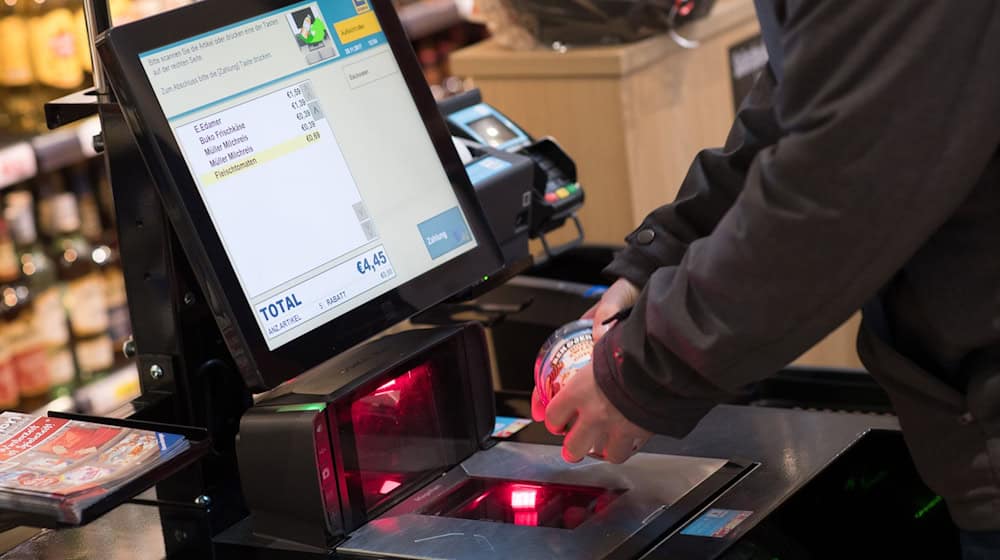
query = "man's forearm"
x=713 y=182
x=865 y=175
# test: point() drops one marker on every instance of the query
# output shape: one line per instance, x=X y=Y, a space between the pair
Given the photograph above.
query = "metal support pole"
x=98 y=17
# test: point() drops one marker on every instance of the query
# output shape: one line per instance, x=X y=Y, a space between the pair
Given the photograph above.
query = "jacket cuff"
x=647 y=249
x=642 y=401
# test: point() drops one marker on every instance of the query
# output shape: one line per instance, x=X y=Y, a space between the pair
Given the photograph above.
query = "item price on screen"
x=313 y=136
x=298 y=104
x=303 y=114
x=325 y=291
x=373 y=263
x=293 y=92
x=309 y=125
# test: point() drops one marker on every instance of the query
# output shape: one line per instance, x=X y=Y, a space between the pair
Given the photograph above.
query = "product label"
x=567 y=357
x=32 y=370
x=53 y=46
x=15 y=60
x=95 y=355
x=90 y=217
x=120 y=323
x=62 y=371
x=716 y=523
x=119 y=320
x=86 y=300
x=505 y=427
x=8 y=260
x=17 y=162
x=8 y=382
x=50 y=318
x=27 y=356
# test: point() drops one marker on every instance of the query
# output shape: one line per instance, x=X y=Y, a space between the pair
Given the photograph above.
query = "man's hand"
x=620 y=295
x=595 y=426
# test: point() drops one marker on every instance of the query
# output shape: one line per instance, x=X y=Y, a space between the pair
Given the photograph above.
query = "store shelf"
x=22 y=160
x=425 y=18
x=100 y=397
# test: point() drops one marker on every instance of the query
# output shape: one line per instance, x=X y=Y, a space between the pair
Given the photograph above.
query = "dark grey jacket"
x=863 y=170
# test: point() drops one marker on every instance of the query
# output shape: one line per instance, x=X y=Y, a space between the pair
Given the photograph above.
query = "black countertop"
x=792 y=447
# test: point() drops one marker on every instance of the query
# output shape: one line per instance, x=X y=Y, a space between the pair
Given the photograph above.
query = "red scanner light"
x=389 y=486
x=392 y=425
x=524 y=498
x=385 y=387
x=526 y=518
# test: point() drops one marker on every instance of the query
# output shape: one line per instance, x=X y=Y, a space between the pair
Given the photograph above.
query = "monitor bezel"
x=262 y=368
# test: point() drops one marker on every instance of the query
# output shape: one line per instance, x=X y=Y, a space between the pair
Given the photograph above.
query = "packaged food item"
x=564 y=353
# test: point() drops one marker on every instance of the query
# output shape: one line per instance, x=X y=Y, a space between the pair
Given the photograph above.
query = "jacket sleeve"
x=889 y=114
x=711 y=185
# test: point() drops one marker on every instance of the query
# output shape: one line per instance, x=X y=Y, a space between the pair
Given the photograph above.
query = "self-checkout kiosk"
x=282 y=215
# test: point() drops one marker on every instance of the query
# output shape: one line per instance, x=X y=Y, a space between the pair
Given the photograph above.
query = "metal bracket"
x=551 y=253
x=156 y=373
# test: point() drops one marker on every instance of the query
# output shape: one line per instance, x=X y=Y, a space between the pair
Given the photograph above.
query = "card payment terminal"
x=556 y=194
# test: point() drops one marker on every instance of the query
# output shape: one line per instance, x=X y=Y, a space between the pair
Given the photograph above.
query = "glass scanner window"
x=312 y=160
x=524 y=503
x=405 y=429
x=492 y=131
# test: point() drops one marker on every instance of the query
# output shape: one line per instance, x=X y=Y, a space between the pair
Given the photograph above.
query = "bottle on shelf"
x=25 y=374
x=47 y=186
x=80 y=185
x=39 y=273
x=31 y=366
x=20 y=111
x=119 y=319
x=9 y=273
x=9 y=395
x=86 y=294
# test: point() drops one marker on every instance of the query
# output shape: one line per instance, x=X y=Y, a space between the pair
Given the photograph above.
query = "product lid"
x=65 y=213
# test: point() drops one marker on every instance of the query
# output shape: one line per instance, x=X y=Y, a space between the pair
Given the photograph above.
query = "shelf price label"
x=17 y=163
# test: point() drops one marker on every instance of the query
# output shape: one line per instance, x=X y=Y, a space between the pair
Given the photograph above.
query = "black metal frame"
x=188 y=380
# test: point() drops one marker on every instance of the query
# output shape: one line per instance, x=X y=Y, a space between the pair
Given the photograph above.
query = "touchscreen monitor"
x=310 y=148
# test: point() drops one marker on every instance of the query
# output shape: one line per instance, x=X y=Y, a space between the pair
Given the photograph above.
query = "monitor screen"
x=291 y=124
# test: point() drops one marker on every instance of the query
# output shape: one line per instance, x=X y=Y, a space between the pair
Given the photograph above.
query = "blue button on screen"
x=444 y=232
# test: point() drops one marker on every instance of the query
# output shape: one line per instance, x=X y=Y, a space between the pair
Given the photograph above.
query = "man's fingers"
x=592 y=312
x=559 y=412
x=580 y=440
x=597 y=451
x=620 y=448
x=600 y=329
x=537 y=408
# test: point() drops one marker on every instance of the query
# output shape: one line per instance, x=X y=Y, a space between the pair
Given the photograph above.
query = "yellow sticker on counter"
x=357 y=27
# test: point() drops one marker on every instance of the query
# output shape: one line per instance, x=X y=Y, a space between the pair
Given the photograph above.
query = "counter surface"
x=792 y=447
